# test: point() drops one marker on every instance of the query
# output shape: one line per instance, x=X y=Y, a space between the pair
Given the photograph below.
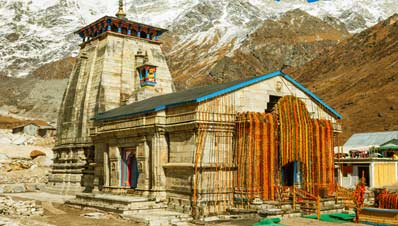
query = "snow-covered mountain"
x=35 y=32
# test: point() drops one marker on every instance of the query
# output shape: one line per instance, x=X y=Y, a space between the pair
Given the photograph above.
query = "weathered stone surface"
x=10 y=207
x=30 y=187
x=21 y=188
x=95 y=215
x=18 y=188
x=3 y=157
x=40 y=187
x=42 y=161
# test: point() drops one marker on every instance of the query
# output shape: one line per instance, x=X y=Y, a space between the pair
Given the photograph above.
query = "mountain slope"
x=359 y=77
x=35 y=32
x=38 y=95
x=209 y=41
x=294 y=39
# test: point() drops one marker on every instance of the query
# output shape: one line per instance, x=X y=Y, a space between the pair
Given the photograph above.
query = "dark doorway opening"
x=291 y=174
x=365 y=171
x=273 y=100
x=143 y=34
x=129 y=168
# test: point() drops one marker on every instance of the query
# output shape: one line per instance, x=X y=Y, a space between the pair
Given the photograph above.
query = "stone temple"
x=120 y=62
x=123 y=130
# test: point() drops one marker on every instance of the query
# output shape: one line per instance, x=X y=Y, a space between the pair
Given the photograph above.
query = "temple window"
x=143 y=34
x=124 y=31
x=147 y=75
x=273 y=100
x=114 y=28
x=133 y=32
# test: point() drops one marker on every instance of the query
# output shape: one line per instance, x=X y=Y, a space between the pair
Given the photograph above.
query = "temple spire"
x=120 y=13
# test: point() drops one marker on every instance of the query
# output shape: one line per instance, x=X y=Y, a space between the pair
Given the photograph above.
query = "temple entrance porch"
x=130 y=164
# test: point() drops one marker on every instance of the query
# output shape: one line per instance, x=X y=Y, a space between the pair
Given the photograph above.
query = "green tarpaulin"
x=335 y=218
x=269 y=222
x=389 y=147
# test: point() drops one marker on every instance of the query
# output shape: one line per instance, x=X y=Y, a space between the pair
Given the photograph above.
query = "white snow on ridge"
x=33 y=32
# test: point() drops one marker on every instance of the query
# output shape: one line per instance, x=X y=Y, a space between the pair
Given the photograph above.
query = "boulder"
x=18 y=188
x=30 y=187
x=20 y=164
x=5 y=140
x=95 y=215
x=42 y=161
x=3 y=156
x=36 y=153
x=40 y=187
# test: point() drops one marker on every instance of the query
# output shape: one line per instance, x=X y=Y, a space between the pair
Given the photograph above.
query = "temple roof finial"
x=120 y=13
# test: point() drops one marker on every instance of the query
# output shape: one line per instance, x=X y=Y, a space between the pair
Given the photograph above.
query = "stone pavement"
x=42 y=196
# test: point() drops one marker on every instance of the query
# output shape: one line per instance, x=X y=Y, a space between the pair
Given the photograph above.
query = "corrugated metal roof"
x=361 y=141
x=390 y=142
x=197 y=95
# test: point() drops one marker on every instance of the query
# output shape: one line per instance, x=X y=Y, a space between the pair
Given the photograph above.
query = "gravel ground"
x=55 y=213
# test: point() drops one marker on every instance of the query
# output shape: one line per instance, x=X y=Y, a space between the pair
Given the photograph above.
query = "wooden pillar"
x=109 y=27
x=158 y=33
x=148 y=35
x=129 y=30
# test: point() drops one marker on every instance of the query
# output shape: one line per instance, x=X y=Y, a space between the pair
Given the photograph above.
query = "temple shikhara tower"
x=120 y=62
x=124 y=131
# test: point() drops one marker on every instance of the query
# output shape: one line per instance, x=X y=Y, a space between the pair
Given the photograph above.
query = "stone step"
x=140 y=204
x=105 y=207
x=122 y=199
x=138 y=209
x=115 y=203
x=307 y=213
x=323 y=210
x=338 y=206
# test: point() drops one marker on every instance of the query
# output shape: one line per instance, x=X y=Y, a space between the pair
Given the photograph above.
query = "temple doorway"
x=291 y=174
x=129 y=168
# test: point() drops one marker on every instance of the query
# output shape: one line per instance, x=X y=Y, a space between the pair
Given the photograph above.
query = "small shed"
x=47 y=131
x=29 y=129
x=365 y=141
x=35 y=128
x=379 y=169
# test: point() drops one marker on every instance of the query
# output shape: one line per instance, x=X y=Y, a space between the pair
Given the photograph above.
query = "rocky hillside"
x=38 y=95
x=294 y=39
x=359 y=78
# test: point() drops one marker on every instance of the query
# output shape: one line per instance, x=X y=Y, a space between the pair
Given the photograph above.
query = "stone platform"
x=286 y=210
x=131 y=207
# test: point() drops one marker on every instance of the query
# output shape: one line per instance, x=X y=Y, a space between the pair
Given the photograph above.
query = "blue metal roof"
x=197 y=95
